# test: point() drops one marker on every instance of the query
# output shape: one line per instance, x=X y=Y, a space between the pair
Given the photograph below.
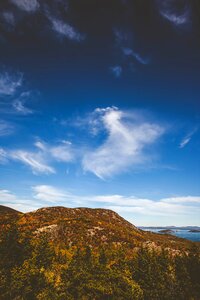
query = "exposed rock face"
x=84 y=226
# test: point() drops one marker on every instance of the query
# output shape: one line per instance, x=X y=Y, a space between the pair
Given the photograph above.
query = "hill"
x=60 y=253
x=7 y=210
x=86 y=226
x=8 y=215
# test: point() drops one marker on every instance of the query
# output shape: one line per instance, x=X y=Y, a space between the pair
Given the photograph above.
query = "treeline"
x=38 y=269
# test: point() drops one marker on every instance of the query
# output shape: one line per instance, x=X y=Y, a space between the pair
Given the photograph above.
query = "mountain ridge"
x=96 y=227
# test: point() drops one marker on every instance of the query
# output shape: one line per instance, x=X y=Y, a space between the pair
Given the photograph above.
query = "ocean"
x=182 y=233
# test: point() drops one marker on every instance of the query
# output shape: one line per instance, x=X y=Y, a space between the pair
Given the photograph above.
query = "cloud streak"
x=123 y=147
x=9 y=18
x=29 y=6
x=22 y=204
x=35 y=161
x=63 y=152
x=19 y=104
x=9 y=83
x=186 y=140
x=130 y=53
x=172 y=207
x=124 y=141
x=50 y=194
x=3 y=156
x=5 y=128
x=176 y=15
x=13 y=94
x=117 y=71
x=64 y=29
x=40 y=159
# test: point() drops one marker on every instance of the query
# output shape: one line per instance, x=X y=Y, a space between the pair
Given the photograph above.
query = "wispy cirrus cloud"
x=121 y=141
x=9 y=83
x=41 y=158
x=18 y=202
x=5 y=128
x=19 y=103
x=35 y=160
x=165 y=206
x=14 y=97
x=63 y=152
x=130 y=53
x=124 y=145
x=174 y=209
x=29 y=6
x=9 y=18
x=51 y=11
x=3 y=156
x=7 y=195
x=149 y=207
x=178 y=13
x=64 y=29
x=116 y=70
x=50 y=194
x=187 y=138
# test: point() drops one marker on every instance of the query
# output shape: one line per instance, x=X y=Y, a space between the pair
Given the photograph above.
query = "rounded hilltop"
x=82 y=226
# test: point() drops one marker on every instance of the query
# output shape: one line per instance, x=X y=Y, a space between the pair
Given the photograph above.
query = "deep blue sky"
x=99 y=107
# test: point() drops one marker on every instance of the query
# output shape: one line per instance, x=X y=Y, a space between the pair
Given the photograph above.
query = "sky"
x=100 y=107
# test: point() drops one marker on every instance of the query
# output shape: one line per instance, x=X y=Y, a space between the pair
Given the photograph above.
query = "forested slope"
x=82 y=253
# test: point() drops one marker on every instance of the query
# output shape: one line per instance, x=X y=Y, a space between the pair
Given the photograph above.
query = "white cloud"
x=8 y=16
x=40 y=159
x=3 y=156
x=178 y=16
x=124 y=41
x=117 y=71
x=164 y=207
x=9 y=83
x=9 y=199
x=182 y=200
x=173 y=209
x=35 y=161
x=19 y=104
x=187 y=138
x=185 y=141
x=27 y=5
x=40 y=145
x=7 y=195
x=138 y=57
x=49 y=193
x=5 y=128
x=14 y=98
x=65 y=29
x=62 y=152
x=124 y=145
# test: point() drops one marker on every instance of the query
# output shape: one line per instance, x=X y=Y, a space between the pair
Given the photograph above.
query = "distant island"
x=171 y=227
x=167 y=231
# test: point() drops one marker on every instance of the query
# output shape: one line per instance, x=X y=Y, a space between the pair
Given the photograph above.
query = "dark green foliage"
x=102 y=257
x=153 y=272
x=88 y=279
x=11 y=250
x=43 y=252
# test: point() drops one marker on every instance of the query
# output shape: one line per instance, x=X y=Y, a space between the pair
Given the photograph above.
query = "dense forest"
x=37 y=267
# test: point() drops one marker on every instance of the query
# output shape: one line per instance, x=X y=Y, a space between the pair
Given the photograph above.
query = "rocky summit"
x=86 y=226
